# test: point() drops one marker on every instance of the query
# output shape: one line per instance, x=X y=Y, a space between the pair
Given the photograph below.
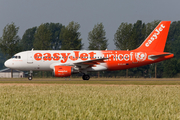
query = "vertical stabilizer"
x=156 y=41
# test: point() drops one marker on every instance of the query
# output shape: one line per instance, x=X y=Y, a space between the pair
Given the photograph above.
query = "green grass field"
x=104 y=81
x=40 y=99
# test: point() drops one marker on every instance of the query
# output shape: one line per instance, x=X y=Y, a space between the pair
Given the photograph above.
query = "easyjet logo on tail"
x=155 y=35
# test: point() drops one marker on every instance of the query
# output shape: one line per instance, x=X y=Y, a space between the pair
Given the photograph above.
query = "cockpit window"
x=17 y=57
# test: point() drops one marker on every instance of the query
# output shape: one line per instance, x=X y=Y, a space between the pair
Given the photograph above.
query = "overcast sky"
x=29 y=13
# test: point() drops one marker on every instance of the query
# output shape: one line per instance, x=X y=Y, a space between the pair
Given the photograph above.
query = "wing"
x=81 y=64
x=90 y=63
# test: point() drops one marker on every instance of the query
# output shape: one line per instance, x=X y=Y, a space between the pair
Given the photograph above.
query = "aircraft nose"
x=7 y=63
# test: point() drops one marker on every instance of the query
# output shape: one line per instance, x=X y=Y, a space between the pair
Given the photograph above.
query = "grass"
x=73 y=102
x=104 y=81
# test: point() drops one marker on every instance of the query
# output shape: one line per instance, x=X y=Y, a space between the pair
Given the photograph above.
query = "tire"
x=29 y=77
x=86 y=77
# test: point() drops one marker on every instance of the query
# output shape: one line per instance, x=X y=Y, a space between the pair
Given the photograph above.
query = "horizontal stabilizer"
x=153 y=57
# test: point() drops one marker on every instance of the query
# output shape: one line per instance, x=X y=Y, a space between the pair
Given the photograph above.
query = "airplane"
x=64 y=63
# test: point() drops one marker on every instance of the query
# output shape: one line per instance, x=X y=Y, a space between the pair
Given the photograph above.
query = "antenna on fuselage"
x=32 y=49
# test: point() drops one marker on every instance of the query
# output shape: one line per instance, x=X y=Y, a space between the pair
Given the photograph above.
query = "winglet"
x=156 y=41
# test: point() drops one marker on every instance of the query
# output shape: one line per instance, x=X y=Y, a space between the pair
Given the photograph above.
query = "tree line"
x=55 y=36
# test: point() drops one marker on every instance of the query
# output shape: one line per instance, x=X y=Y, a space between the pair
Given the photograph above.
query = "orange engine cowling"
x=62 y=71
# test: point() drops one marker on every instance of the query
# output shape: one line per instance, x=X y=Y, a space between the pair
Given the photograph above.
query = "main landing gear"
x=30 y=75
x=85 y=77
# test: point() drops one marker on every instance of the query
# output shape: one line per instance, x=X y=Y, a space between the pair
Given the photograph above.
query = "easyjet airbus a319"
x=66 y=62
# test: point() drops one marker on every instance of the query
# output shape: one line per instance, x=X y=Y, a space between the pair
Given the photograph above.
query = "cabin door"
x=30 y=58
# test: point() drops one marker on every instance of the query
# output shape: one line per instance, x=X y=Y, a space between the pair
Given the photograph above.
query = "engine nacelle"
x=62 y=71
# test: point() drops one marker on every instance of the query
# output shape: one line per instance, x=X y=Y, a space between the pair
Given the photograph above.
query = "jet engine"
x=64 y=71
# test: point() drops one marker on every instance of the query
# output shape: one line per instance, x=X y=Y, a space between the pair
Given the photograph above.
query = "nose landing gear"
x=30 y=75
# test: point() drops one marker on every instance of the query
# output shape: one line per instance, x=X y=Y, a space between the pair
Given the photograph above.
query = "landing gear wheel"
x=85 y=77
x=29 y=77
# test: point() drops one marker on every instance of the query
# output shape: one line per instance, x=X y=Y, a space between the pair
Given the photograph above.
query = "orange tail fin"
x=156 y=41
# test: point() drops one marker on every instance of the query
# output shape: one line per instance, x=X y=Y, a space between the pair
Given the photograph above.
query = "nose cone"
x=7 y=63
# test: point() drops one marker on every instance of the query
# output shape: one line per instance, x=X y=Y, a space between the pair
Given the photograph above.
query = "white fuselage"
x=41 y=60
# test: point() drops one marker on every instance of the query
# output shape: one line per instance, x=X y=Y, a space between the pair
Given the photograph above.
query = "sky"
x=30 y=13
